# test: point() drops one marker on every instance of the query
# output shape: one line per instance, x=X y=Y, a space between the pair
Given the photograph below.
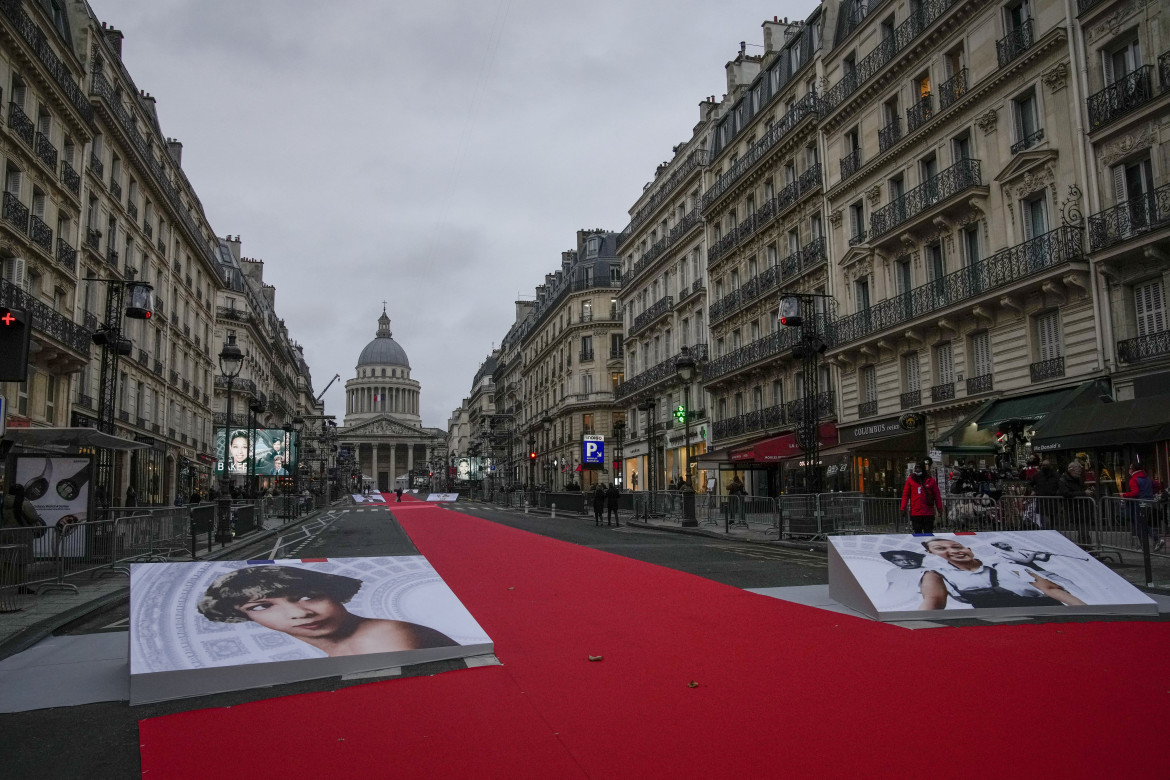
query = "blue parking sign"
x=593 y=449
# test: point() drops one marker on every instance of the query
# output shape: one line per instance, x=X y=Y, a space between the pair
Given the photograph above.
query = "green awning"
x=962 y=438
x=1139 y=421
x=1026 y=407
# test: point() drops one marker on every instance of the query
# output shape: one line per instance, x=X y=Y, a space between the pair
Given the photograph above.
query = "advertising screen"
x=59 y=488
x=272 y=449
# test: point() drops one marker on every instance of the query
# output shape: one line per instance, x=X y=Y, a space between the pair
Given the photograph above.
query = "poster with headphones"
x=58 y=487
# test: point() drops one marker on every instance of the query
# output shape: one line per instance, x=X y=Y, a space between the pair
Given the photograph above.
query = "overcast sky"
x=436 y=155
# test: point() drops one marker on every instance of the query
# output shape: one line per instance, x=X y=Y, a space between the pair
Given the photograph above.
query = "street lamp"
x=546 y=422
x=299 y=424
x=231 y=361
x=619 y=464
x=647 y=406
x=532 y=466
x=256 y=407
x=684 y=365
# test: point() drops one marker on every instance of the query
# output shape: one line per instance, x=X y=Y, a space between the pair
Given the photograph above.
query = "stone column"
x=410 y=456
x=374 y=460
x=393 y=466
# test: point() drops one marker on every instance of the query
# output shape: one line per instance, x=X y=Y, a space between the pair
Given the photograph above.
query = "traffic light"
x=532 y=456
x=14 y=336
x=790 y=311
x=140 y=303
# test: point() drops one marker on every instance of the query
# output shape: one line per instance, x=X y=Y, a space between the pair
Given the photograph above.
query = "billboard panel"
x=273 y=449
x=59 y=488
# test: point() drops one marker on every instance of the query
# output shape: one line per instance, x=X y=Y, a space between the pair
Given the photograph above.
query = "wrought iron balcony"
x=132 y=210
x=818 y=406
x=1130 y=218
x=771 y=417
x=1164 y=71
x=112 y=256
x=585 y=356
x=93 y=239
x=916 y=23
x=693 y=162
x=1154 y=345
x=143 y=358
x=157 y=368
x=857 y=238
x=1047 y=369
x=771 y=346
x=910 y=399
x=141 y=421
x=174 y=375
x=32 y=34
x=66 y=255
x=45 y=150
x=867 y=408
x=70 y=178
x=156 y=428
x=661 y=308
x=115 y=188
x=920 y=113
x=979 y=384
x=40 y=233
x=943 y=392
x=1085 y=5
x=809 y=256
x=1014 y=43
x=889 y=135
x=681 y=228
x=616 y=353
x=810 y=179
x=1027 y=142
x=952 y=89
x=809 y=105
x=1128 y=93
x=951 y=181
x=1001 y=269
x=124 y=416
x=15 y=212
x=85 y=401
x=658 y=373
x=186 y=385
x=850 y=164
x=20 y=124
x=148 y=229
x=96 y=165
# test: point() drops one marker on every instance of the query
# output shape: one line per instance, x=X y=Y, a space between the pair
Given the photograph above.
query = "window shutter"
x=16 y=272
x=981 y=352
x=1107 y=66
x=1048 y=330
x=1027 y=211
x=946 y=366
x=913 y=379
x=1150 y=305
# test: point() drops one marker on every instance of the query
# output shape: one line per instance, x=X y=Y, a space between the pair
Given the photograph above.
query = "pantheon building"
x=382 y=422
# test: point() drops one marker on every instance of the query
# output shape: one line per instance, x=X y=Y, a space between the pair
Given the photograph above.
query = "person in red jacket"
x=921 y=494
x=1141 y=487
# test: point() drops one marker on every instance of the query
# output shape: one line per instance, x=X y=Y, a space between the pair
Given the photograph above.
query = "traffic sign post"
x=593 y=450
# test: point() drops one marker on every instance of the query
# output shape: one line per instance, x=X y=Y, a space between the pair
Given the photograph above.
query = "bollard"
x=554 y=511
x=525 y=507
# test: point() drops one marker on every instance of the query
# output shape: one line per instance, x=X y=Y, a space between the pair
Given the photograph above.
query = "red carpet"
x=781 y=689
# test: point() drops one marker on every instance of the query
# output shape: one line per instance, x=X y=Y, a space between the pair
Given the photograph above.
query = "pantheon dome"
x=382 y=386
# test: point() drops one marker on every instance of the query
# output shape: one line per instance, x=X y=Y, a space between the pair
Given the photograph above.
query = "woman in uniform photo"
x=956 y=572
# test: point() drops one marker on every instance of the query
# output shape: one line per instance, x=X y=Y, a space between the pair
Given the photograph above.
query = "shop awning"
x=966 y=435
x=1026 y=407
x=68 y=438
x=1139 y=421
x=778 y=448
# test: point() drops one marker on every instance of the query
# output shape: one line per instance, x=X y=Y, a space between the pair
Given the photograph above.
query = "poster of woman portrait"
x=930 y=576
x=201 y=627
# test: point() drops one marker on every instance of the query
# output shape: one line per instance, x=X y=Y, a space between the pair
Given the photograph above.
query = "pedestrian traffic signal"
x=790 y=311
x=14 y=336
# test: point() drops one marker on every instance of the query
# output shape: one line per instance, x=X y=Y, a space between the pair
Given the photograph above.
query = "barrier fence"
x=39 y=560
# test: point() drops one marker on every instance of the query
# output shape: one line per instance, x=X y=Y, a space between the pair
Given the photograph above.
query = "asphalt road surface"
x=101 y=740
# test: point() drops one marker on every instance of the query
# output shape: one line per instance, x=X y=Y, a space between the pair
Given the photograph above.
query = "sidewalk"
x=44 y=614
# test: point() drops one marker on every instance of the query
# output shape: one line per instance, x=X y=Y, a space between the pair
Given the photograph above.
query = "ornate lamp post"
x=684 y=366
x=231 y=361
x=532 y=466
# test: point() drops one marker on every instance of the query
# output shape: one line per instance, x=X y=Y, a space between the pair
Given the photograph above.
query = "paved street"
x=102 y=739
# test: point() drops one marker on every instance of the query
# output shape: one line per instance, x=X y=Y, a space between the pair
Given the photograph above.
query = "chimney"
x=175 y=150
x=114 y=38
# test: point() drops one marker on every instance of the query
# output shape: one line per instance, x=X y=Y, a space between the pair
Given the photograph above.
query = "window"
x=586 y=311
x=868 y=389
x=51 y=398
x=856 y=223
x=1034 y=213
x=902 y=278
x=739 y=404
x=1150 y=307
x=587 y=383
x=777 y=392
x=911 y=379
x=961 y=147
x=1048 y=336
x=861 y=294
x=1016 y=14
x=1028 y=132
x=615 y=379
x=1121 y=60
x=1132 y=185
x=981 y=354
x=969 y=239
x=815 y=227
x=770 y=255
x=757 y=398
x=944 y=364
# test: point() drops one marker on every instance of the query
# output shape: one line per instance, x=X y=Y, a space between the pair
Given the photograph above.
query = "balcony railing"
x=951 y=181
x=809 y=256
x=132 y=210
x=867 y=408
x=1130 y=218
x=943 y=392
x=20 y=124
x=818 y=406
x=85 y=400
x=96 y=165
x=66 y=255
x=1047 y=369
x=585 y=356
x=806 y=106
x=93 y=239
x=157 y=368
x=124 y=416
x=1028 y=141
x=143 y=358
x=771 y=417
x=676 y=233
x=1128 y=93
x=979 y=384
x=36 y=40
x=1164 y=71
x=910 y=399
x=115 y=188
x=890 y=134
x=850 y=164
x=112 y=256
x=919 y=113
x=15 y=212
x=651 y=376
x=952 y=89
x=694 y=160
x=1136 y=350
x=771 y=346
x=857 y=238
x=46 y=151
x=616 y=353
x=70 y=178
x=1006 y=267
x=1014 y=43
x=40 y=233
x=915 y=24
x=661 y=307
x=174 y=375
x=810 y=179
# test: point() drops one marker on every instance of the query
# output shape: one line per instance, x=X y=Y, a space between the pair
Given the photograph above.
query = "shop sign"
x=871 y=430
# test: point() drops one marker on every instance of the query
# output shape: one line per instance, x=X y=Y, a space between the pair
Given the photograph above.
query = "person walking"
x=920 y=494
x=598 y=503
x=131 y=496
x=398 y=494
x=1141 y=488
x=612 y=501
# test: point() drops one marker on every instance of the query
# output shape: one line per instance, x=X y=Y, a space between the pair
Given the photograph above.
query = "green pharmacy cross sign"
x=680 y=413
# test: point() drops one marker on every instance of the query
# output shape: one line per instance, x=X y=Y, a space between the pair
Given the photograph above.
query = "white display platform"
x=192 y=633
x=443 y=497
x=882 y=575
x=368 y=498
